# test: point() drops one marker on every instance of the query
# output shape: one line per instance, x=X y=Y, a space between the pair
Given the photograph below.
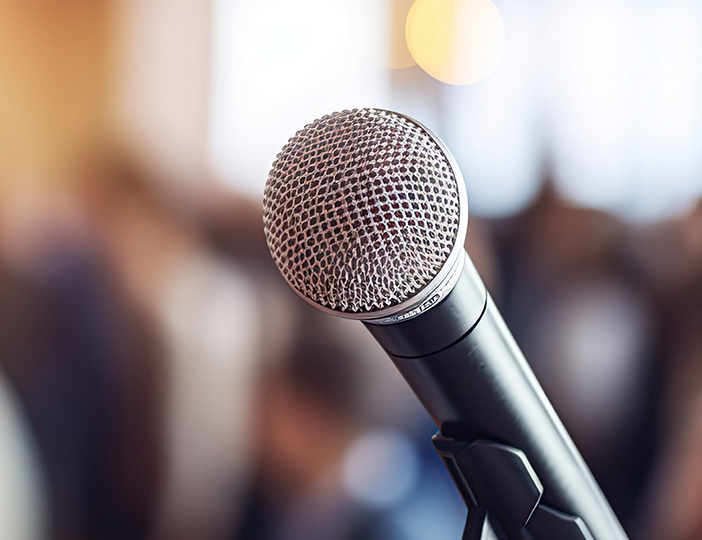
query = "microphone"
x=365 y=215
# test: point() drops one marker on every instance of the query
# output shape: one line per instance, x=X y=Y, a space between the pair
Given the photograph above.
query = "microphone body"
x=464 y=366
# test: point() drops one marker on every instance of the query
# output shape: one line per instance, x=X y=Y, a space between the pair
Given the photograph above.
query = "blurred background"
x=157 y=378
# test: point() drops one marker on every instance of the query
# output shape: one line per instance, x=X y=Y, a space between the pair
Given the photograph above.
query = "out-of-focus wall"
x=52 y=86
x=159 y=61
x=76 y=73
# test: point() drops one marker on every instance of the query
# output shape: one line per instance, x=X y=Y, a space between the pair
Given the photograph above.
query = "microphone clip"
x=503 y=493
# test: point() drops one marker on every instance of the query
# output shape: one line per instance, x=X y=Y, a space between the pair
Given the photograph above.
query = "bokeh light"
x=456 y=41
x=381 y=468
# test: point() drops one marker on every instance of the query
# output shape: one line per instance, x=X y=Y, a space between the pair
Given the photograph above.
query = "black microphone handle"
x=499 y=436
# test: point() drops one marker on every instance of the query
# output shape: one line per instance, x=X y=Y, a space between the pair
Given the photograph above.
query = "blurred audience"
x=177 y=388
x=87 y=365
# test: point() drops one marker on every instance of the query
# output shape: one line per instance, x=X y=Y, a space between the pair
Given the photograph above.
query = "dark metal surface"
x=547 y=524
x=482 y=388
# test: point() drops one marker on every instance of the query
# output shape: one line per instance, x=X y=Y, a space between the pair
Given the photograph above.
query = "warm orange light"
x=456 y=41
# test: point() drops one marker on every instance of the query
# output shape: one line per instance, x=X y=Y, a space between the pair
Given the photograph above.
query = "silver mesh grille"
x=361 y=210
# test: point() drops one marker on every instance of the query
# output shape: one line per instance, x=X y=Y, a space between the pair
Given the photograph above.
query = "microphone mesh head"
x=361 y=211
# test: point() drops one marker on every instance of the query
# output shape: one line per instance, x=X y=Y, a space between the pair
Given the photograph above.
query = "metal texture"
x=365 y=215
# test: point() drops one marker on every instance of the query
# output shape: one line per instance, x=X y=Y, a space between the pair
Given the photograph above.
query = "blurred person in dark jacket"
x=670 y=256
x=86 y=363
x=305 y=423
